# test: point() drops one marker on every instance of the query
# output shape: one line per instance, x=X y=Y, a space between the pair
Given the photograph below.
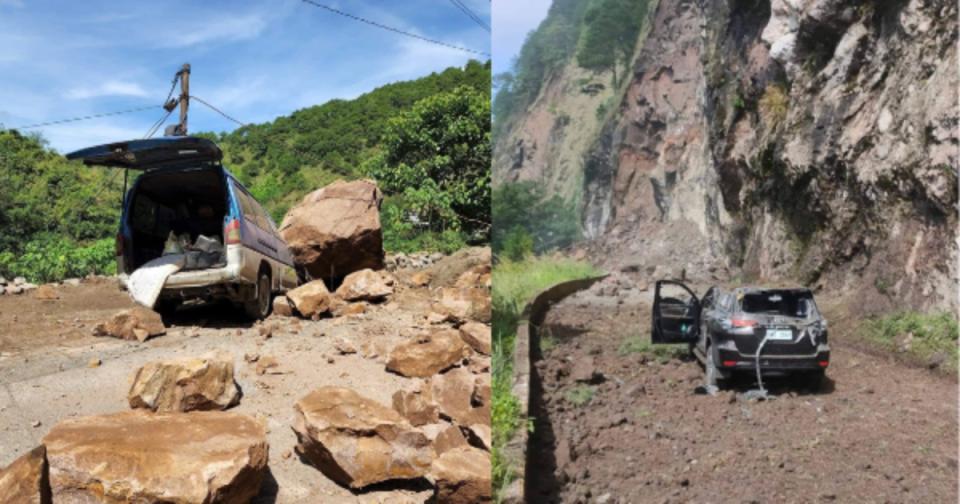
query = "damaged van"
x=768 y=331
x=185 y=202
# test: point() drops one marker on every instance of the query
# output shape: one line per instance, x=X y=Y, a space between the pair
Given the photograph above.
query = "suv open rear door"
x=676 y=313
x=151 y=153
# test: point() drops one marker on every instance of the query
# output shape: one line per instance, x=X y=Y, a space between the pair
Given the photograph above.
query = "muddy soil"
x=637 y=431
x=46 y=349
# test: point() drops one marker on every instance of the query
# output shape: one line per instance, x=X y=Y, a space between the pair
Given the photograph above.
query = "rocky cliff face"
x=813 y=141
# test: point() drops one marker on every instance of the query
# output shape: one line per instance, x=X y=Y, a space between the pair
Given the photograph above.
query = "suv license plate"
x=780 y=335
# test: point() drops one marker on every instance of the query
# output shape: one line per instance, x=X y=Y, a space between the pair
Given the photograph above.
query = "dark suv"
x=740 y=329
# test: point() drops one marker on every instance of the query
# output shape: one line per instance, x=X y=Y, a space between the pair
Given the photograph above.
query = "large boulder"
x=366 y=285
x=138 y=456
x=335 y=230
x=356 y=441
x=311 y=298
x=136 y=323
x=427 y=354
x=462 y=476
x=204 y=383
x=25 y=480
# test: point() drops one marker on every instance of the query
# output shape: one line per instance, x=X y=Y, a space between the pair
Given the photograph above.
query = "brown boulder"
x=365 y=285
x=444 y=436
x=133 y=324
x=427 y=354
x=335 y=230
x=466 y=303
x=311 y=298
x=478 y=336
x=204 y=383
x=356 y=441
x=347 y=309
x=453 y=393
x=138 y=456
x=416 y=406
x=462 y=475
x=282 y=306
x=478 y=276
x=420 y=279
x=25 y=480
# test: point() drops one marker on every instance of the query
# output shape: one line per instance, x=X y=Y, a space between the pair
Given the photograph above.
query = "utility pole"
x=180 y=129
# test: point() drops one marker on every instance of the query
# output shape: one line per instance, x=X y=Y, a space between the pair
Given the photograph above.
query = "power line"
x=215 y=109
x=470 y=14
x=84 y=118
x=390 y=28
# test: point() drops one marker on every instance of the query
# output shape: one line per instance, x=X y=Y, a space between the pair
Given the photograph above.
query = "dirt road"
x=879 y=431
x=46 y=348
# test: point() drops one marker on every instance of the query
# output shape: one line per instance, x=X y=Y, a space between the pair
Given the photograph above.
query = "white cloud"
x=108 y=88
x=222 y=28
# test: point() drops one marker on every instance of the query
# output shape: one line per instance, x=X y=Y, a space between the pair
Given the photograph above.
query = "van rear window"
x=783 y=303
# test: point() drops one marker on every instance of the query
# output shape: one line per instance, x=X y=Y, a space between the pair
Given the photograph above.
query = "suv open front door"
x=675 y=319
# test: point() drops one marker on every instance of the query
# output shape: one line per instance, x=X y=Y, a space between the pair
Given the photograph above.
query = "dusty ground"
x=46 y=346
x=879 y=431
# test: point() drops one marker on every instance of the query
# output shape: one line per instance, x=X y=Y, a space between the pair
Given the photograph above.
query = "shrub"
x=51 y=259
x=518 y=245
x=773 y=105
x=933 y=333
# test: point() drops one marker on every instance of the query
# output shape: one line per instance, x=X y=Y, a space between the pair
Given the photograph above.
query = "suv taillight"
x=118 y=244
x=231 y=232
x=743 y=323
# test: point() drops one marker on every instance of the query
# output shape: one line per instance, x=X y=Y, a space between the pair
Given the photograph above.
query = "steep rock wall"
x=807 y=141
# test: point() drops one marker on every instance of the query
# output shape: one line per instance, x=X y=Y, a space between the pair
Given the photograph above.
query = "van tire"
x=258 y=306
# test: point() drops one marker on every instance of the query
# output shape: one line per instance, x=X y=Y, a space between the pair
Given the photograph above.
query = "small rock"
x=94 y=362
x=311 y=298
x=282 y=306
x=46 y=293
x=190 y=384
x=268 y=365
x=344 y=346
x=365 y=285
x=463 y=476
x=36 y=423
x=133 y=324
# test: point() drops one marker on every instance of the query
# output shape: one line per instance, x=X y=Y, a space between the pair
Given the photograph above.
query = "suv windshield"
x=784 y=303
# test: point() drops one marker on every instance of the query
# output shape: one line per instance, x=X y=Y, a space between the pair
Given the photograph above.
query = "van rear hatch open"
x=149 y=154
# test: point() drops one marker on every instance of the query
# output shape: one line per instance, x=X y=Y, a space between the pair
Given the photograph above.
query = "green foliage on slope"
x=58 y=217
x=282 y=160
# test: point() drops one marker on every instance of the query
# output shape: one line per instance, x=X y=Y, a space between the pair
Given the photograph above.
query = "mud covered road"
x=619 y=422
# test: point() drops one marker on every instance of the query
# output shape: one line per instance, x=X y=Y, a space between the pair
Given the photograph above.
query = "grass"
x=514 y=284
x=933 y=333
x=579 y=395
x=662 y=353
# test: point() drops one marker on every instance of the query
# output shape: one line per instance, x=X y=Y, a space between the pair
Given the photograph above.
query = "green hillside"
x=58 y=218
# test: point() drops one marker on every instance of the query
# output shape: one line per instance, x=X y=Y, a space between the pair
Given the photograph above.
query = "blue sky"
x=512 y=21
x=256 y=60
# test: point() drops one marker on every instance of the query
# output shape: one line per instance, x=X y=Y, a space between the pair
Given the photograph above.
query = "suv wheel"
x=258 y=306
x=714 y=375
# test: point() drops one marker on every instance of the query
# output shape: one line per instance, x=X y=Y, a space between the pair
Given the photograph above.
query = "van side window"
x=246 y=205
x=253 y=211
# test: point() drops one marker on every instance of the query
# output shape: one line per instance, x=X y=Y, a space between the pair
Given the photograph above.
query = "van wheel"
x=258 y=306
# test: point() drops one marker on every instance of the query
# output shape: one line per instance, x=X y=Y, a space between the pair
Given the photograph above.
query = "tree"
x=611 y=28
x=437 y=156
